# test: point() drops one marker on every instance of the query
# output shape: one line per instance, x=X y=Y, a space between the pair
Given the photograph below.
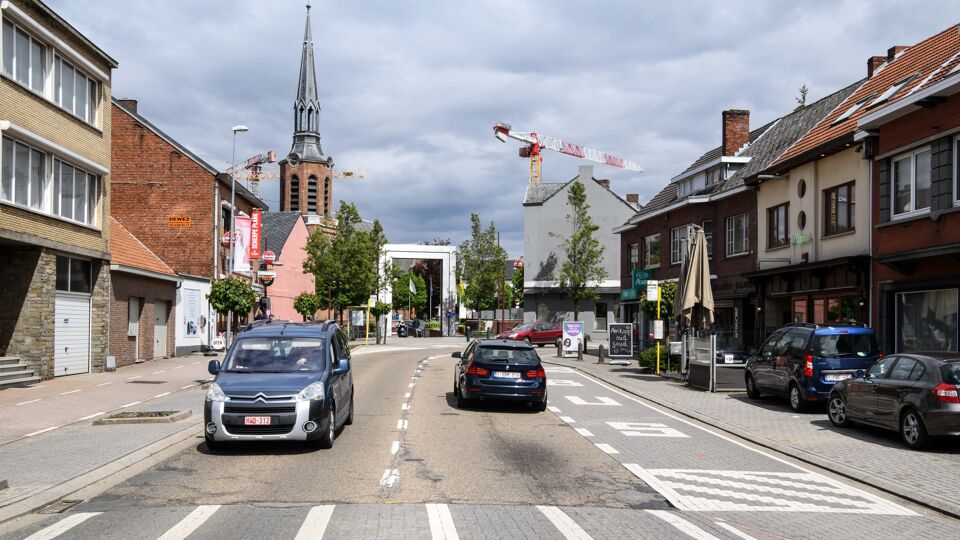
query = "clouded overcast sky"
x=410 y=89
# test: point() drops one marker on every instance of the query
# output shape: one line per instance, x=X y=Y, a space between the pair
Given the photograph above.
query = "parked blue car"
x=803 y=361
x=281 y=381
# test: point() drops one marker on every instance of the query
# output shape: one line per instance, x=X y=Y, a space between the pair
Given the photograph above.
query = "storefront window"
x=927 y=321
x=799 y=310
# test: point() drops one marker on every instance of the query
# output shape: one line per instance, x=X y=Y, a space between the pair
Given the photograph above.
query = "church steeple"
x=306 y=108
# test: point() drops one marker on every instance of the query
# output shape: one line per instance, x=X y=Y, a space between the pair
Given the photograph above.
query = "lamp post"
x=233 y=219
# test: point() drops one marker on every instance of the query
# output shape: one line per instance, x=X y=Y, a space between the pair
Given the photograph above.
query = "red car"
x=539 y=333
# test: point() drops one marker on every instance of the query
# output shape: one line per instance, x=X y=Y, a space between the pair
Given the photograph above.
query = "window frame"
x=956 y=171
x=708 y=234
x=676 y=249
x=851 y=209
x=633 y=251
x=45 y=64
x=913 y=210
x=646 y=252
x=93 y=219
x=730 y=237
x=69 y=276
x=92 y=107
x=773 y=212
x=45 y=177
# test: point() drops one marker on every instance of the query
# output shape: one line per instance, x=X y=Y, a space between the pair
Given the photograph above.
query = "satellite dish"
x=293 y=159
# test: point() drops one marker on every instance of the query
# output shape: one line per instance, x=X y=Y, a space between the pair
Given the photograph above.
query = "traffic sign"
x=267 y=277
x=268 y=257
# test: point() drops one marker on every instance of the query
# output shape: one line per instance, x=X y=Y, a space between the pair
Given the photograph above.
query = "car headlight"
x=513 y=335
x=215 y=393
x=312 y=392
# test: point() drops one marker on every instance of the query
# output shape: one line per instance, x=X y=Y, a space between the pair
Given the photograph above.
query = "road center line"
x=564 y=523
x=191 y=523
x=441 y=522
x=104 y=384
x=28 y=402
x=134 y=377
x=315 y=525
x=89 y=416
x=62 y=526
x=130 y=404
x=178 y=367
x=157 y=372
x=70 y=392
x=683 y=525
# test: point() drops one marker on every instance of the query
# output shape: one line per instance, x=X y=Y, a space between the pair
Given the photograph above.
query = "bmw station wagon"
x=283 y=381
x=501 y=370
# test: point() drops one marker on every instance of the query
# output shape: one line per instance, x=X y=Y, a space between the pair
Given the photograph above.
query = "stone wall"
x=27 y=312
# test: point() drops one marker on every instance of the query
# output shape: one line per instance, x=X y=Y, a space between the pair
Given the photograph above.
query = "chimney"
x=129 y=104
x=894 y=51
x=736 y=130
x=633 y=198
x=605 y=183
x=873 y=63
x=585 y=173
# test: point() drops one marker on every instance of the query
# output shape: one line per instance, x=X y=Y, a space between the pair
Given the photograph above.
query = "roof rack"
x=256 y=323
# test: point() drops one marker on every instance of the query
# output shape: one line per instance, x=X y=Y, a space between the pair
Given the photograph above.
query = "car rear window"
x=277 y=354
x=844 y=345
x=507 y=355
x=950 y=373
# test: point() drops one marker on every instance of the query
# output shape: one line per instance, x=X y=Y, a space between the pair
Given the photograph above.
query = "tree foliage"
x=345 y=267
x=481 y=263
x=802 y=98
x=307 y=304
x=668 y=296
x=401 y=292
x=517 y=282
x=582 y=268
x=232 y=294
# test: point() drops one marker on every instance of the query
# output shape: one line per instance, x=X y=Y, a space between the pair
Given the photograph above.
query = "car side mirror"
x=342 y=367
x=213 y=367
x=456 y=354
x=858 y=374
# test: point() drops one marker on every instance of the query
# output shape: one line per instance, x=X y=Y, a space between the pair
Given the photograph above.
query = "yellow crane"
x=252 y=171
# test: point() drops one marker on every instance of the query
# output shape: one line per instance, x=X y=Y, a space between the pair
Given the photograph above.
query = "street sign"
x=268 y=257
x=621 y=339
x=226 y=239
x=652 y=290
x=518 y=264
x=267 y=277
x=572 y=338
x=640 y=278
x=658 y=329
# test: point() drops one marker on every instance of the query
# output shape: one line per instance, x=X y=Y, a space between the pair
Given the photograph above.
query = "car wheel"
x=349 y=420
x=796 y=399
x=326 y=440
x=837 y=411
x=539 y=406
x=912 y=430
x=461 y=402
x=214 y=446
x=752 y=391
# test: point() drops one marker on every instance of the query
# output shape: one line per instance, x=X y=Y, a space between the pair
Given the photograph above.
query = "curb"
x=39 y=500
x=811 y=458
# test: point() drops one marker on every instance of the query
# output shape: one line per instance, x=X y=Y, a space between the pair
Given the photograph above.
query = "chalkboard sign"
x=621 y=339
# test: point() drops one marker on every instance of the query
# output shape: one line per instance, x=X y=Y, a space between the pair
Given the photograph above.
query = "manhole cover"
x=60 y=506
x=146 y=382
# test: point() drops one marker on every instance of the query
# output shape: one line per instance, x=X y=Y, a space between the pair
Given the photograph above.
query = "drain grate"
x=146 y=382
x=58 y=507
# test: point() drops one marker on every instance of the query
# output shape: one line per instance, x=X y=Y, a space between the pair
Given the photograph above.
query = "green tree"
x=307 y=304
x=582 y=268
x=379 y=310
x=481 y=263
x=345 y=267
x=668 y=295
x=401 y=292
x=232 y=295
x=802 y=98
x=517 y=282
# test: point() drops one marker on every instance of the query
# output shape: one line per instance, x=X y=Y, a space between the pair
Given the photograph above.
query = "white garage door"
x=72 y=334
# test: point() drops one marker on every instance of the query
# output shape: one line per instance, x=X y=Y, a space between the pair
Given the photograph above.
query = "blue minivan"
x=281 y=381
x=803 y=361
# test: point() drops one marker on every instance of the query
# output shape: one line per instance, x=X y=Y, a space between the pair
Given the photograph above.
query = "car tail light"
x=473 y=369
x=536 y=373
x=808 y=366
x=946 y=393
x=880 y=356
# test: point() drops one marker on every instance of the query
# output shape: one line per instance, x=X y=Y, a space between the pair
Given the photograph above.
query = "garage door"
x=72 y=334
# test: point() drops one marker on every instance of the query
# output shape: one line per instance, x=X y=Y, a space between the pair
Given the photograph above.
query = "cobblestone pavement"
x=873 y=456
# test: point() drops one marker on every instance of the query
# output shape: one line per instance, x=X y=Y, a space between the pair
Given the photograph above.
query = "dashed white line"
x=607 y=448
x=163 y=394
x=187 y=386
x=405 y=407
x=564 y=523
x=195 y=363
x=441 y=522
x=157 y=372
x=316 y=523
x=104 y=384
x=584 y=431
x=411 y=385
x=134 y=377
x=568 y=420
x=70 y=392
x=42 y=431
x=62 y=526
x=402 y=424
x=89 y=416
x=683 y=525
x=191 y=523
x=406 y=396
x=733 y=530
x=28 y=402
x=394 y=448
x=178 y=367
x=130 y=404
x=389 y=478
x=553 y=409
x=601 y=400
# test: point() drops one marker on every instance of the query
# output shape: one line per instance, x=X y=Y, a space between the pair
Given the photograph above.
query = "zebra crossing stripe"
x=564 y=523
x=316 y=523
x=683 y=525
x=62 y=526
x=441 y=522
x=191 y=523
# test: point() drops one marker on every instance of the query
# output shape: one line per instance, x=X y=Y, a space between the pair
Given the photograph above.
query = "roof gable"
x=126 y=249
x=277 y=227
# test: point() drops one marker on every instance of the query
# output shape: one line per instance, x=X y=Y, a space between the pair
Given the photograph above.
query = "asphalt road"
x=599 y=464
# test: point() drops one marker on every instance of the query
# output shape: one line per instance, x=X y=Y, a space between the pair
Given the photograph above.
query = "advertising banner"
x=256 y=224
x=572 y=338
x=241 y=245
x=191 y=311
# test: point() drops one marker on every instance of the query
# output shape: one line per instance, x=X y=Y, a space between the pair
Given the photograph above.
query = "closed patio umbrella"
x=694 y=302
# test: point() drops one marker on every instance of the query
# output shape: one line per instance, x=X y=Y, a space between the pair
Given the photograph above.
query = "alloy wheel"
x=838 y=411
x=796 y=399
x=911 y=428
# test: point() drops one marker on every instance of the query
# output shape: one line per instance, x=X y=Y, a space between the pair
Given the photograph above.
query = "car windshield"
x=844 y=345
x=507 y=355
x=951 y=373
x=276 y=355
x=521 y=327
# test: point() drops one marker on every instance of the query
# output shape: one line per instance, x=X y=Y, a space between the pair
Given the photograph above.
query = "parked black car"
x=917 y=394
x=283 y=381
x=500 y=369
x=803 y=361
x=412 y=327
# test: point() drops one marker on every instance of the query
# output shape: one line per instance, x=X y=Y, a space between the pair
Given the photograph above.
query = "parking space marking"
x=191 y=523
x=559 y=370
x=584 y=432
x=62 y=526
x=683 y=525
x=405 y=407
x=441 y=522
x=564 y=523
x=645 y=429
x=553 y=409
x=315 y=525
x=601 y=400
x=562 y=382
x=406 y=396
x=607 y=448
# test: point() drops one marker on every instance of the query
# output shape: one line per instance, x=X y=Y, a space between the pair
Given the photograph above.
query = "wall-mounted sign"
x=640 y=278
x=628 y=294
x=180 y=222
x=268 y=257
x=267 y=277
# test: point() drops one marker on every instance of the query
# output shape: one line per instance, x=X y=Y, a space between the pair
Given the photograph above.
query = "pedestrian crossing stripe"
x=698 y=490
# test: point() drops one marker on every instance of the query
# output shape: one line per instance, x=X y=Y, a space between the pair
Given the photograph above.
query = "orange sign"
x=178 y=221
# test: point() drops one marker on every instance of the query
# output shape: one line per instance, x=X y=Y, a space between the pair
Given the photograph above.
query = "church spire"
x=306 y=108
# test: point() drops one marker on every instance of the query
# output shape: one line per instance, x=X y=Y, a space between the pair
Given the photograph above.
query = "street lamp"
x=233 y=217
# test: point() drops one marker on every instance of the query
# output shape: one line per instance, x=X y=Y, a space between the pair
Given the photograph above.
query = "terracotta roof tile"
x=125 y=249
x=928 y=62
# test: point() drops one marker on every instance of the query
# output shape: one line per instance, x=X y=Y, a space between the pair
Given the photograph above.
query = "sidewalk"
x=872 y=456
x=51 y=448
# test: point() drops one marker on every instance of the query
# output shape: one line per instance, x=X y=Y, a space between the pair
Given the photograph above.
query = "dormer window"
x=890 y=92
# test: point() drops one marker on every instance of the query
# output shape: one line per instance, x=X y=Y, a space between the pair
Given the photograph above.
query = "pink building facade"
x=285 y=234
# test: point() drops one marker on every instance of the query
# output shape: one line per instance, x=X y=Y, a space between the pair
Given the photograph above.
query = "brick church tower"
x=305 y=174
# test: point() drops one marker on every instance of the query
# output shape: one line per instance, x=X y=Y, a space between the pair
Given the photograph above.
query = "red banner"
x=255 y=229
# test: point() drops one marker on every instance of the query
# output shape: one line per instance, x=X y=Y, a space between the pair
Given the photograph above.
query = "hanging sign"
x=267 y=277
x=658 y=329
x=268 y=257
x=256 y=221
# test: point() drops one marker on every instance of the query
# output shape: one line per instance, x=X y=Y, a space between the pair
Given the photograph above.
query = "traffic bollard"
x=467 y=333
x=559 y=348
x=580 y=351
x=488 y=333
x=600 y=354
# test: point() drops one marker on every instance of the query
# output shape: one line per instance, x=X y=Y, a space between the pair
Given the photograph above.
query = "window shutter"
x=884 y=190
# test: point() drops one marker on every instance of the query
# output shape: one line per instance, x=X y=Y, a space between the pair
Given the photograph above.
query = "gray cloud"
x=410 y=90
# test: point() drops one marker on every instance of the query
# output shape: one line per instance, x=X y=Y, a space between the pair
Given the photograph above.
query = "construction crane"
x=253 y=172
x=535 y=143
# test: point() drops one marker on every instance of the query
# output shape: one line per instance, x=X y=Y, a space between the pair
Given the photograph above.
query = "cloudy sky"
x=411 y=89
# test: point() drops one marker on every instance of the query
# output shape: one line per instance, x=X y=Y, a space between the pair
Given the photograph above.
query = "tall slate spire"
x=306 y=108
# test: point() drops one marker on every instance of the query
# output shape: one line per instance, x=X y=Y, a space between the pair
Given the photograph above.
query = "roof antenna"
x=308 y=5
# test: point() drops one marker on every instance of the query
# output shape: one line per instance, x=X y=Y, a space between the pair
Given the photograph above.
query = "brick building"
x=915 y=140
x=54 y=193
x=143 y=291
x=178 y=205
